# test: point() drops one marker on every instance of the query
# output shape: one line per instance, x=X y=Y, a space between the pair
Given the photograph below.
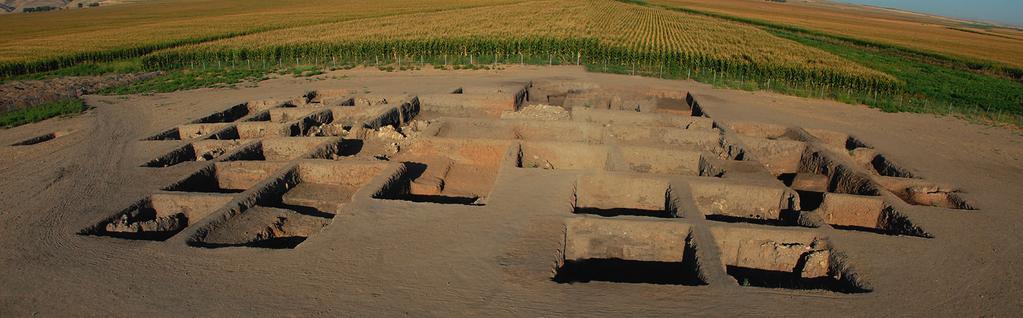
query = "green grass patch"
x=928 y=87
x=306 y=70
x=87 y=69
x=185 y=79
x=40 y=112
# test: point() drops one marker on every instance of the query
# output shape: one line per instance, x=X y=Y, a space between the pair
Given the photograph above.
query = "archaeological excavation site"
x=512 y=192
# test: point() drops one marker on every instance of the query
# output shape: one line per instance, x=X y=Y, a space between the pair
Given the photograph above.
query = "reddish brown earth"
x=20 y=94
x=618 y=199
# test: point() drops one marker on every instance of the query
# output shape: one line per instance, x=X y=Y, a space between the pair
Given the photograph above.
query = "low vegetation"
x=188 y=79
x=86 y=69
x=41 y=112
x=929 y=87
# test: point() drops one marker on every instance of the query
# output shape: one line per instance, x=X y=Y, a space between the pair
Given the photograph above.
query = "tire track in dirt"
x=47 y=205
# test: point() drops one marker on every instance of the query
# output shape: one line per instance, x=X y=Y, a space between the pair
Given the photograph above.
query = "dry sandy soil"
x=530 y=192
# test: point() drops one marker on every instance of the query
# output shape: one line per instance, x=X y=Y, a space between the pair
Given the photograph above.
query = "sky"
x=1003 y=11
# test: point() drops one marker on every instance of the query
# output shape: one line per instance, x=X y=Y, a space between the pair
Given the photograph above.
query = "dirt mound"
x=21 y=94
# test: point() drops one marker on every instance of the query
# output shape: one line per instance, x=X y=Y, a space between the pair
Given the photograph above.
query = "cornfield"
x=593 y=32
x=606 y=34
x=50 y=40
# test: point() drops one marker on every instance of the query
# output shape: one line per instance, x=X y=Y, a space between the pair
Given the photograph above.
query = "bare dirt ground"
x=532 y=191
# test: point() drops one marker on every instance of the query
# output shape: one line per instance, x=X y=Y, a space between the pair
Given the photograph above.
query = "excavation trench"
x=293 y=206
x=41 y=138
x=447 y=171
x=627 y=251
x=784 y=259
x=609 y=196
x=202 y=150
x=158 y=216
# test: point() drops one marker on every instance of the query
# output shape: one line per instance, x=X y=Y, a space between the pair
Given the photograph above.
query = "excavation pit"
x=372 y=115
x=836 y=140
x=517 y=130
x=841 y=178
x=293 y=206
x=326 y=186
x=159 y=216
x=673 y=105
x=226 y=177
x=283 y=114
x=555 y=92
x=202 y=150
x=884 y=167
x=632 y=118
x=810 y=200
x=659 y=161
x=278 y=148
x=332 y=97
x=562 y=156
x=424 y=182
x=478 y=105
x=784 y=259
x=252 y=130
x=189 y=131
x=609 y=102
x=348 y=117
x=607 y=195
x=805 y=181
x=449 y=127
x=447 y=171
x=237 y=111
x=778 y=156
x=293 y=125
x=868 y=214
x=765 y=131
x=877 y=163
x=41 y=138
x=919 y=192
x=627 y=251
x=733 y=202
x=572 y=95
x=265 y=227
x=708 y=140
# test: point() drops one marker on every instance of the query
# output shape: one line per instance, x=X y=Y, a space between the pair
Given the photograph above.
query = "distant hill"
x=21 y=6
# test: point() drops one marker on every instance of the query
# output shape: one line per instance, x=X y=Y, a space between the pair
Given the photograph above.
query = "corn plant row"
x=474 y=50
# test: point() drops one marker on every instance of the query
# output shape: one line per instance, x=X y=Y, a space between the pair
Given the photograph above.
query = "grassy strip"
x=929 y=88
x=40 y=112
x=85 y=69
x=184 y=79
